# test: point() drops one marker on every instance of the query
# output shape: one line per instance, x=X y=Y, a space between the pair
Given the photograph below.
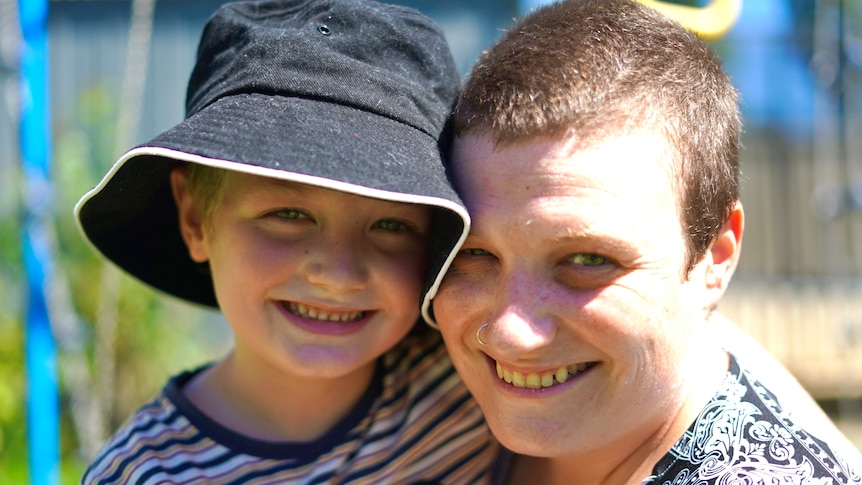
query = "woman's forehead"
x=636 y=163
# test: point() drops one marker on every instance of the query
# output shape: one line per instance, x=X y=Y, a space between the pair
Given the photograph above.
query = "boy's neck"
x=257 y=400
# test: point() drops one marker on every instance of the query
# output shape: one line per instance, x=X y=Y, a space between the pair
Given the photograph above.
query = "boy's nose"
x=337 y=266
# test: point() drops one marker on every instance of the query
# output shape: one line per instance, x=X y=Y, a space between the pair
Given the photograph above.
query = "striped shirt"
x=416 y=423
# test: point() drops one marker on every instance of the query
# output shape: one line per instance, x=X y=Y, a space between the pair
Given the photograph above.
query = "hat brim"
x=131 y=217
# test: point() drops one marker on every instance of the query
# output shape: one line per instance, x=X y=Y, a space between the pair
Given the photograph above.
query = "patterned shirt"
x=743 y=435
x=415 y=423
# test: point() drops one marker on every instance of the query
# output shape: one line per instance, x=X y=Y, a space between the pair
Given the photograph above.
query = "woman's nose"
x=521 y=325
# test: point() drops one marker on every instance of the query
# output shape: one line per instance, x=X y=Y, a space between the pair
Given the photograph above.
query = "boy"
x=302 y=195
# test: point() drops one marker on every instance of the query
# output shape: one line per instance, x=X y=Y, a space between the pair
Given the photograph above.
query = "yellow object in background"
x=709 y=22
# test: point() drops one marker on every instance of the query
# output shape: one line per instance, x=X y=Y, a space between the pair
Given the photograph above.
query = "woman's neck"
x=593 y=469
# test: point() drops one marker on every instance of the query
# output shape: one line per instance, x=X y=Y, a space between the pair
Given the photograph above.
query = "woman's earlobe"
x=725 y=250
x=190 y=216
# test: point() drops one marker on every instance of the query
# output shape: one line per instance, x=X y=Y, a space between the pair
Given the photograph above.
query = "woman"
x=596 y=149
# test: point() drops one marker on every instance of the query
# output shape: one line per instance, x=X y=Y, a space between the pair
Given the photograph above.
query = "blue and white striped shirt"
x=415 y=423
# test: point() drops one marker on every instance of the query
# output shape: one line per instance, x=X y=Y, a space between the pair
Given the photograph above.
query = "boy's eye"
x=391 y=225
x=585 y=259
x=290 y=214
x=474 y=252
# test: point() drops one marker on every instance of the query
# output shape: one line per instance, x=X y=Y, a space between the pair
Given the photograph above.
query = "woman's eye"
x=474 y=252
x=391 y=225
x=290 y=214
x=584 y=259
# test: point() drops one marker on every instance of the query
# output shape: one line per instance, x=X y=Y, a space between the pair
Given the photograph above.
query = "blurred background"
x=80 y=341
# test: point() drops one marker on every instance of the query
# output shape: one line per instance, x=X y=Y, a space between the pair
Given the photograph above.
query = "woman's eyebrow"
x=570 y=233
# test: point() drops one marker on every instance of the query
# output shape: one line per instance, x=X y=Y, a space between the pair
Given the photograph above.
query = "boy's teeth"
x=537 y=381
x=308 y=312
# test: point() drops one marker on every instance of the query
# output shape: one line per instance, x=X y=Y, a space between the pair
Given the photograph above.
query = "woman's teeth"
x=317 y=314
x=538 y=381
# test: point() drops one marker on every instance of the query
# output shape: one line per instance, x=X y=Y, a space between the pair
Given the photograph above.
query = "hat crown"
x=386 y=59
x=350 y=95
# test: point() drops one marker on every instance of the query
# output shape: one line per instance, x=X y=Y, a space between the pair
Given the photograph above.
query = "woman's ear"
x=190 y=216
x=723 y=255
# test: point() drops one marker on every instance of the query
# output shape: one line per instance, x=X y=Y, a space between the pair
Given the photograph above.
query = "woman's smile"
x=542 y=379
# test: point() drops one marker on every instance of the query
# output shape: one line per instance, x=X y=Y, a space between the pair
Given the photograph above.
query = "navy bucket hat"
x=351 y=95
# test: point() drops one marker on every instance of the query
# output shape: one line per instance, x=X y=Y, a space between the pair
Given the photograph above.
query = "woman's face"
x=576 y=262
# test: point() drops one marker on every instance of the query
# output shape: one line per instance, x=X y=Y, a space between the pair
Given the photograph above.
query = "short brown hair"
x=594 y=68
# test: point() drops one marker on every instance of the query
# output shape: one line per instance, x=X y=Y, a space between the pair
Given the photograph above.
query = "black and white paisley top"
x=744 y=436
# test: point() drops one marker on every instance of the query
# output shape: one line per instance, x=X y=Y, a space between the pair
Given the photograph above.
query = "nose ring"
x=479 y=334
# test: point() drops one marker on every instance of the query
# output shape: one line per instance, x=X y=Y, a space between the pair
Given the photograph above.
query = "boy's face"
x=316 y=283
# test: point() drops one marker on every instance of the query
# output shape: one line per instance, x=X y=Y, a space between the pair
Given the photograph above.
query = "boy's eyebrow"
x=267 y=184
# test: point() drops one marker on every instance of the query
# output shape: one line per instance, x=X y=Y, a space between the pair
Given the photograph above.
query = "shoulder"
x=418 y=358
x=790 y=432
x=155 y=425
x=744 y=433
x=157 y=436
x=420 y=380
x=427 y=418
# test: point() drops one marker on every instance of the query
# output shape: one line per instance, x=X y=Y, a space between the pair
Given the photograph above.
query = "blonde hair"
x=205 y=184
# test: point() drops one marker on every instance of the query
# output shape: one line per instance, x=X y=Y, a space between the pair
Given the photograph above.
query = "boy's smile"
x=326 y=321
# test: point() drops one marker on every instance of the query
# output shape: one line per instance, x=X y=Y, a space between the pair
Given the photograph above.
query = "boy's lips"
x=326 y=321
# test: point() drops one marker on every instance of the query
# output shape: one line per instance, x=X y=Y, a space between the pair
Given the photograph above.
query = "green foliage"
x=155 y=335
x=12 y=432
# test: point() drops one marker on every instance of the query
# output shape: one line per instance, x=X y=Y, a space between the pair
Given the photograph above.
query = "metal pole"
x=43 y=426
